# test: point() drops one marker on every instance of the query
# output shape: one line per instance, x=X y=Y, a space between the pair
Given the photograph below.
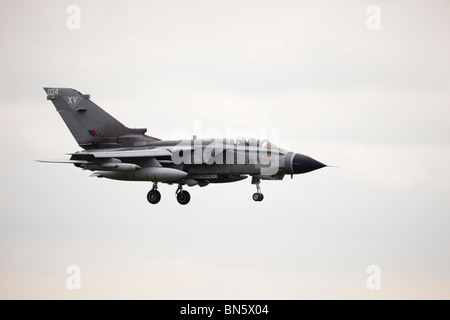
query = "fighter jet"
x=114 y=151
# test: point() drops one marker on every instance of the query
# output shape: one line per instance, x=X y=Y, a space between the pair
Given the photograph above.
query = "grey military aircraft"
x=114 y=151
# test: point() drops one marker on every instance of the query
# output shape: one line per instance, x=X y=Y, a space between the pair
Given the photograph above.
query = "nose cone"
x=303 y=164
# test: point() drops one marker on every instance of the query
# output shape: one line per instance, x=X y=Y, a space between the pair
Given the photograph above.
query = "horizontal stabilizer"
x=96 y=175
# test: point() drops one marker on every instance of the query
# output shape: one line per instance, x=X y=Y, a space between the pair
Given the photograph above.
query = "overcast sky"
x=373 y=101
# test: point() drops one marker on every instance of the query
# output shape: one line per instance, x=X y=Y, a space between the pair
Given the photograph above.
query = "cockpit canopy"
x=266 y=144
x=269 y=145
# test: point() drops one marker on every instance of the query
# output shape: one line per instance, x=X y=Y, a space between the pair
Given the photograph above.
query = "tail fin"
x=90 y=125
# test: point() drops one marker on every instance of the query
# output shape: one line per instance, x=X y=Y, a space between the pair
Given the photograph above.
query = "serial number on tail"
x=52 y=92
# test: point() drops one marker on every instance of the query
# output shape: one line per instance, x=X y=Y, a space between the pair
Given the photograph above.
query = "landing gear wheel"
x=183 y=197
x=153 y=196
x=258 y=196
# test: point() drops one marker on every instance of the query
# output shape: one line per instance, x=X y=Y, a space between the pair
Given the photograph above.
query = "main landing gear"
x=258 y=196
x=154 y=196
x=183 y=197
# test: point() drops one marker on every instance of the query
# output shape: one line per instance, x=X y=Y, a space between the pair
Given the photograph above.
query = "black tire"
x=153 y=196
x=183 y=197
x=258 y=196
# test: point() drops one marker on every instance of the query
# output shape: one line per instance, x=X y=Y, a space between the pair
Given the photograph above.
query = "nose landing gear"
x=258 y=196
